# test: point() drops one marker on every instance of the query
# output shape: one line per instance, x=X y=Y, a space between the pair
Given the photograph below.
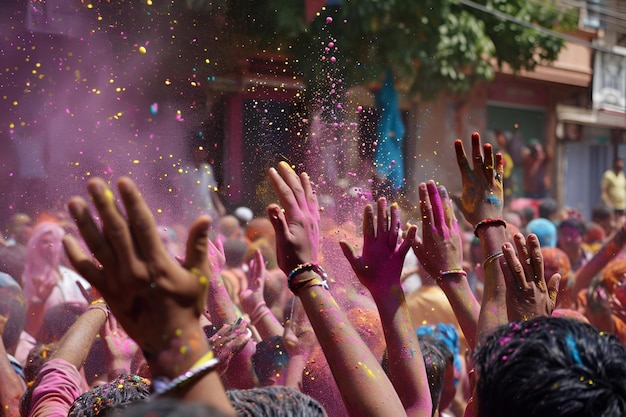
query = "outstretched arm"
x=379 y=269
x=357 y=372
x=441 y=254
x=481 y=204
x=156 y=300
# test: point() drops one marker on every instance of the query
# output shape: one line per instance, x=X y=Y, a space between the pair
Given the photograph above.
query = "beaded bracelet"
x=203 y=366
x=492 y=257
x=443 y=274
x=488 y=222
x=311 y=282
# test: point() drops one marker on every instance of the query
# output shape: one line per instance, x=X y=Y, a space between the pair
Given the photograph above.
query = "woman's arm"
x=357 y=372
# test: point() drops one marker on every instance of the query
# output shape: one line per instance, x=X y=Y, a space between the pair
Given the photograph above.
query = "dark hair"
x=573 y=223
x=547 y=207
x=600 y=212
x=270 y=356
x=437 y=357
x=550 y=367
x=57 y=320
x=277 y=401
x=171 y=407
x=115 y=395
x=12 y=306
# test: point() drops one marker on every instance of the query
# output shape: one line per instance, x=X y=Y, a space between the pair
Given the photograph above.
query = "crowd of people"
x=472 y=309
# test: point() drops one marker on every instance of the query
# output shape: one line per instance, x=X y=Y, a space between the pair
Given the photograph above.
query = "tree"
x=433 y=45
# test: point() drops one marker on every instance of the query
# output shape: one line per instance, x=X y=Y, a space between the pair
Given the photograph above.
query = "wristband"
x=311 y=282
x=487 y=223
x=492 y=257
x=101 y=305
x=444 y=274
x=202 y=367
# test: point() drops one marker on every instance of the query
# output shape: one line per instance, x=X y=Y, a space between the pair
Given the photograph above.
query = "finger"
x=368 y=225
x=114 y=225
x=426 y=209
x=144 y=228
x=536 y=259
x=382 y=221
x=553 y=288
x=408 y=241
x=461 y=160
x=82 y=264
x=448 y=210
x=476 y=153
x=293 y=181
x=285 y=194
x=513 y=267
x=524 y=256
x=489 y=162
x=499 y=166
x=350 y=254
x=279 y=222
x=310 y=195
x=196 y=256
x=420 y=252
x=436 y=206
x=88 y=229
x=394 y=225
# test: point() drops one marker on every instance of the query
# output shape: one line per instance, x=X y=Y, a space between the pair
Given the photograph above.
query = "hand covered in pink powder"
x=229 y=340
x=252 y=296
x=529 y=293
x=380 y=265
x=297 y=225
x=119 y=348
x=440 y=248
x=482 y=196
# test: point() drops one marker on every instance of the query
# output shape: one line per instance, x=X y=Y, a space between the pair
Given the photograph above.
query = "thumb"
x=553 y=287
x=348 y=252
x=196 y=253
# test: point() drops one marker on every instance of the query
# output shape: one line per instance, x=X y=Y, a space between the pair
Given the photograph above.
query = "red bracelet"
x=488 y=222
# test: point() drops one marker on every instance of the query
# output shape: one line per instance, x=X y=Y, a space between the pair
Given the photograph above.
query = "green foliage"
x=434 y=45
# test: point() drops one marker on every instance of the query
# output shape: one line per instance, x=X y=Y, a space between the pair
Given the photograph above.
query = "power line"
x=541 y=29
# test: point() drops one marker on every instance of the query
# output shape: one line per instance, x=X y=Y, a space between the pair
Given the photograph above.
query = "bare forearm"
x=465 y=306
x=493 y=312
x=406 y=364
x=11 y=386
x=608 y=252
x=219 y=303
x=357 y=373
x=76 y=343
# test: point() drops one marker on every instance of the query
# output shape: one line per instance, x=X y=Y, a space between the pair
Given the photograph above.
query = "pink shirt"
x=56 y=387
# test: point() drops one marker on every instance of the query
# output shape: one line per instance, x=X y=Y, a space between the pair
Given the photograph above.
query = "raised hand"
x=440 y=248
x=482 y=196
x=252 y=296
x=440 y=252
x=297 y=228
x=380 y=265
x=528 y=292
x=141 y=284
x=119 y=349
x=229 y=340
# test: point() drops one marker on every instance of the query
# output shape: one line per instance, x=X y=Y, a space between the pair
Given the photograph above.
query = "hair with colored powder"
x=270 y=358
x=118 y=394
x=275 y=401
x=548 y=367
x=613 y=274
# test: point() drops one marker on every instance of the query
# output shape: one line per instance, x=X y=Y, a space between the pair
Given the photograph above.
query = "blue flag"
x=390 y=134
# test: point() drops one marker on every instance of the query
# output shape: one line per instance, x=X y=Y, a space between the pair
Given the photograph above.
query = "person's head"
x=170 y=407
x=278 y=401
x=228 y=226
x=270 y=361
x=545 y=231
x=57 y=320
x=12 y=260
x=439 y=364
x=613 y=274
x=20 y=227
x=13 y=307
x=548 y=367
x=44 y=244
x=603 y=216
x=618 y=164
x=235 y=251
x=118 y=394
x=548 y=208
x=570 y=235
